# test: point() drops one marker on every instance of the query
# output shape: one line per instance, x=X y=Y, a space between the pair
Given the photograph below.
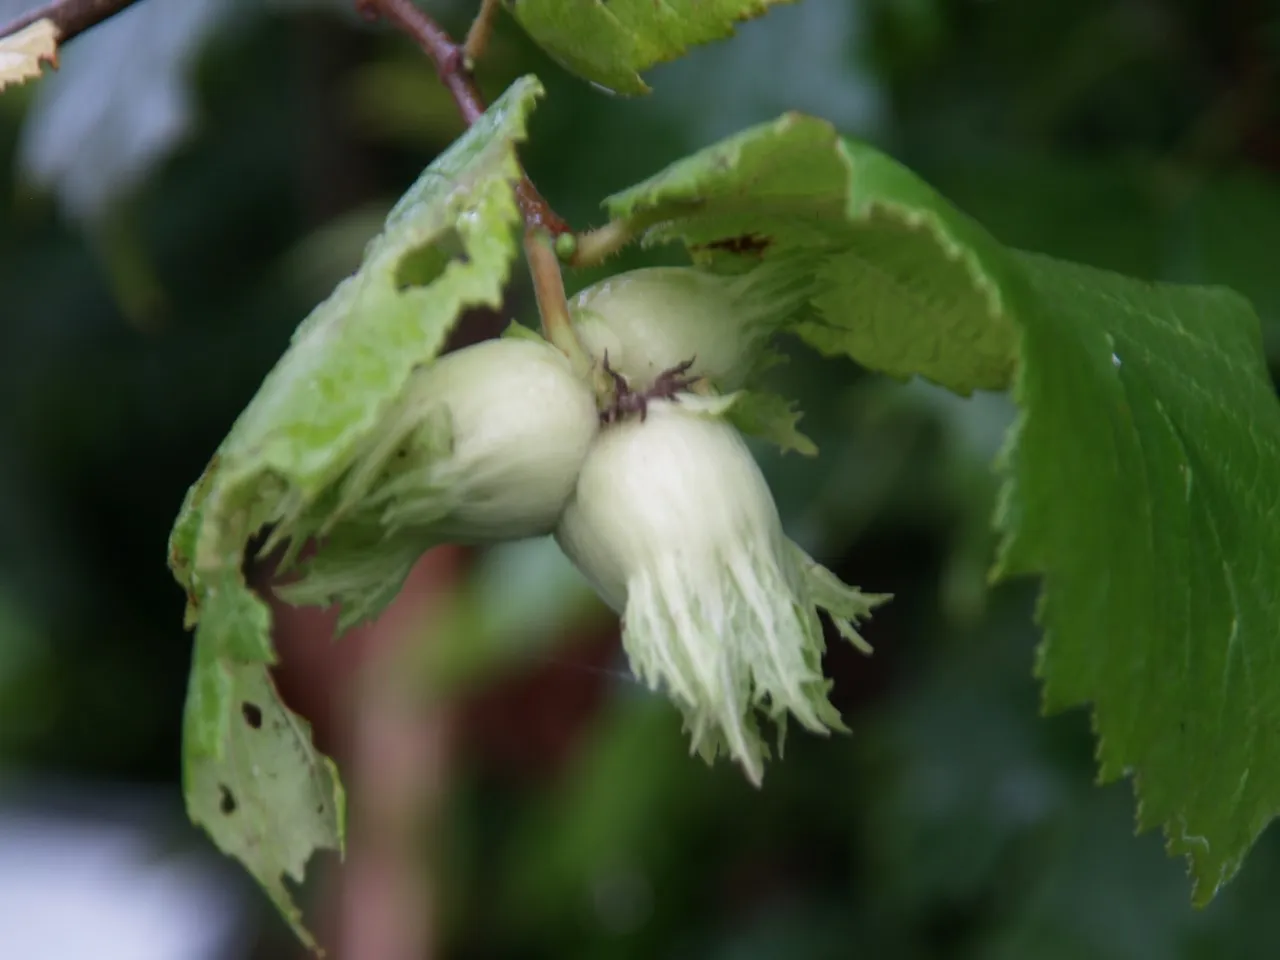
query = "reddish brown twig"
x=451 y=64
x=71 y=17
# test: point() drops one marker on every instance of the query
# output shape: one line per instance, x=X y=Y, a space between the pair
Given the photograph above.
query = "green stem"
x=478 y=36
x=595 y=246
x=553 y=307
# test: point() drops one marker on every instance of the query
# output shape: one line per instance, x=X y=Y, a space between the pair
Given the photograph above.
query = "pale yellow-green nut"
x=650 y=320
x=519 y=425
x=485 y=445
x=673 y=524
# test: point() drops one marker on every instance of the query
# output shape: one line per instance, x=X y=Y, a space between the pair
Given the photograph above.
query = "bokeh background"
x=200 y=173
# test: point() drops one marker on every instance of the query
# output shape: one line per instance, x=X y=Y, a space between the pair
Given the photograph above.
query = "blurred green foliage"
x=1139 y=135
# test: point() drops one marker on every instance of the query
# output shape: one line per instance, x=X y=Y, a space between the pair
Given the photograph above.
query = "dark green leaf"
x=1143 y=488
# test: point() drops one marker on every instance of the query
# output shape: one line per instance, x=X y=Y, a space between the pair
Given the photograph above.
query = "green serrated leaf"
x=1144 y=473
x=447 y=246
x=609 y=42
x=906 y=283
x=1141 y=477
x=361 y=571
x=755 y=413
x=771 y=417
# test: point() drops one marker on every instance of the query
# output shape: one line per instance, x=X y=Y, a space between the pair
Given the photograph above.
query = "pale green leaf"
x=448 y=246
x=755 y=413
x=770 y=417
x=1141 y=477
x=359 y=570
x=906 y=283
x=610 y=42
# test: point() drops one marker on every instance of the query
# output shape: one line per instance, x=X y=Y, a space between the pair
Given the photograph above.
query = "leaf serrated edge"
x=22 y=53
x=653 y=208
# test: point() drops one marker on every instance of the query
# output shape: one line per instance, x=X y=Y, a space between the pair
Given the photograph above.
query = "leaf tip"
x=23 y=54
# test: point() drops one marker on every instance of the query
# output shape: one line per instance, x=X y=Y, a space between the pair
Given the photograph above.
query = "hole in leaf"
x=748 y=244
x=424 y=265
x=228 y=802
x=252 y=714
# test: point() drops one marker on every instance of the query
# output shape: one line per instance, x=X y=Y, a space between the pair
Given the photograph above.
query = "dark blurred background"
x=200 y=173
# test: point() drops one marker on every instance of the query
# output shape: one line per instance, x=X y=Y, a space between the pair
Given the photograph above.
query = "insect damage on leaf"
x=253 y=779
x=271 y=799
x=425 y=265
x=748 y=244
x=901 y=281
